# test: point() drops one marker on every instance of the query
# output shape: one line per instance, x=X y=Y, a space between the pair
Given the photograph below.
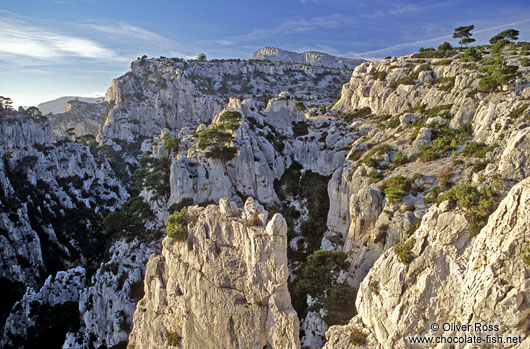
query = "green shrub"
x=318 y=277
x=178 y=206
x=177 y=225
x=443 y=62
x=471 y=54
x=375 y=176
x=173 y=339
x=518 y=112
x=216 y=141
x=479 y=204
x=445 y=139
x=405 y=80
x=379 y=75
x=446 y=83
x=432 y=194
x=171 y=144
x=357 y=113
x=403 y=250
x=414 y=227
x=222 y=153
x=230 y=115
x=395 y=188
x=399 y=158
x=478 y=150
x=299 y=105
x=393 y=123
x=498 y=73
x=340 y=305
x=357 y=337
x=437 y=110
x=130 y=219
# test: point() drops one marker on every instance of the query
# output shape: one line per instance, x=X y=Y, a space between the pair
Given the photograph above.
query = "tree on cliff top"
x=464 y=32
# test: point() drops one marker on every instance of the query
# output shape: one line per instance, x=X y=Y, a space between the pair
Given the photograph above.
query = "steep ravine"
x=302 y=220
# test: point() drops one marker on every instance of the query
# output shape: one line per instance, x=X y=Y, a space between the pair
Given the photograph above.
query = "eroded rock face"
x=170 y=93
x=515 y=162
x=453 y=278
x=309 y=57
x=226 y=287
x=80 y=117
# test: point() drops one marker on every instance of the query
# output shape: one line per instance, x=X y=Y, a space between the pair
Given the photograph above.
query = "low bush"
x=395 y=188
x=414 y=227
x=479 y=204
x=230 y=115
x=399 y=158
x=375 y=176
x=178 y=206
x=478 y=150
x=358 y=113
x=177 y=225
x=518 y=112
x=299 y=105
x=357 y=337
x=403 y=250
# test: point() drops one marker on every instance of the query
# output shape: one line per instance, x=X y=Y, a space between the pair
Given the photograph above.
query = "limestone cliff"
x=453 y=279
x=225 y=286
x=308 y=57
x=172 y=93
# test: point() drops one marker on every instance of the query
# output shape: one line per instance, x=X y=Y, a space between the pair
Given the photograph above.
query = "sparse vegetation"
x=358 y=113
x=130 y=219
x=173 y=339
x=479 y=203
x=177 y=225
x=375 y=176
x=395 y=188
x=403 y=250
x=153 y=175
x=299 y=106
x=178 y=206
x=171 y=144
x=357 y=337
x=478 y=150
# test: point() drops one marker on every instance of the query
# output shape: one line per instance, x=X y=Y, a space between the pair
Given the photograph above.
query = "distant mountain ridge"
x=308 y=57
x=58 y=105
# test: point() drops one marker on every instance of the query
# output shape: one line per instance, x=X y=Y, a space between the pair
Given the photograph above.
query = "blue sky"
x=52 y=48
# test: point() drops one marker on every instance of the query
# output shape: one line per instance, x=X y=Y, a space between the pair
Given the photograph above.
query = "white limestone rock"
x=238 y=270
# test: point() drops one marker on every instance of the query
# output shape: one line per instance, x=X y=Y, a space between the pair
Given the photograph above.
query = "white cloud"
x=21 y=39
x=127 y=30
x=297 y=25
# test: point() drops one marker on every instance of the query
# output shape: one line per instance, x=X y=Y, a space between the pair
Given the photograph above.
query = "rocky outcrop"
x=23 y=322
x=59 y=105
x=79 y=118
x=225 y=287
x=308 y=57
x=49 y=223
x=170 y=93
x=108 y=303
x=453 y=85
x=452 y=279
x=514 y=161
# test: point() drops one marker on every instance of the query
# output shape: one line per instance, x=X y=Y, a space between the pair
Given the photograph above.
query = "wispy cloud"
x=21 y=39
x=297 y=25
x=128 y=30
